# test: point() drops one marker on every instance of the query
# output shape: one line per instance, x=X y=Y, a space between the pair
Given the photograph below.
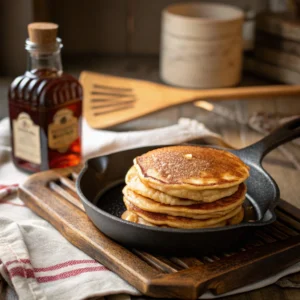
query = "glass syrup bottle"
x=45 y=106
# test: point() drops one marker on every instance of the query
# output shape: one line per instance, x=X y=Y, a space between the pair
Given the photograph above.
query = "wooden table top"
x=276 y=163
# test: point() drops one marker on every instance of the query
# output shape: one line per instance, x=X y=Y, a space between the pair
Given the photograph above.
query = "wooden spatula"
x=111 y=100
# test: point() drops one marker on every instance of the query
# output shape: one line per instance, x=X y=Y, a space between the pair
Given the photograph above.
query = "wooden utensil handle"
x=246 y=92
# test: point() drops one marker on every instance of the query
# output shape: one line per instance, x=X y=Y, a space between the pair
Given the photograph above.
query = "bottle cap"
x=42 y=33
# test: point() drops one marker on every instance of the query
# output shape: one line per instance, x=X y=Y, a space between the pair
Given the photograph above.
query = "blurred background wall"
x=93 y=27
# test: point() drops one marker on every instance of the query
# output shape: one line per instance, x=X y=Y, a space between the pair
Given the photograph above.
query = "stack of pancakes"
x=186 y=187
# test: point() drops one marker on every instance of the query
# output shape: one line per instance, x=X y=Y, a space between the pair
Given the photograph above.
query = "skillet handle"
x=279 y=136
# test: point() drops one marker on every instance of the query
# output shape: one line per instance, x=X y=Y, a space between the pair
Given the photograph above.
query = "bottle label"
x=27 y=142
x=63 y=131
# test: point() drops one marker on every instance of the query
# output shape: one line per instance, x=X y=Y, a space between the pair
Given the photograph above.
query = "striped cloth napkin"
x=37 y=262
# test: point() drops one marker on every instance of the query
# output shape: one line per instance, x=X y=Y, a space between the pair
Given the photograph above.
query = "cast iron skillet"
x=100 y=183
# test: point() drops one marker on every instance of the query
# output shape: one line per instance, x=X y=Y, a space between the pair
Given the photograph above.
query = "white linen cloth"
x=37 y=262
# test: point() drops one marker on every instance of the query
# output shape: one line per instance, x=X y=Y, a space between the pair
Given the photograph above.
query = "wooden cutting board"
x=52 y=195
x=111 y=100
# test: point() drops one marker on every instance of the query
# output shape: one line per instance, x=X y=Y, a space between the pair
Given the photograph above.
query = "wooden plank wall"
x=118 y=26
x=14 y=17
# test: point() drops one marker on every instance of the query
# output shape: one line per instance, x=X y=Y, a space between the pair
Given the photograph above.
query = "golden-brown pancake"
x=158 y=194
x=132 y=217
x=197 y=211
x=134 y=183
x=178 y=222
x=237 y=219
x=190 y=168
x=194 y=195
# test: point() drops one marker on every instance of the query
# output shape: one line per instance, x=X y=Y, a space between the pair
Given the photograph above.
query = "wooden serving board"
x=52 y=195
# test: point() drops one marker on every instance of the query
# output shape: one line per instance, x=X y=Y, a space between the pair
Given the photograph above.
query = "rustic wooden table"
x=276 y=163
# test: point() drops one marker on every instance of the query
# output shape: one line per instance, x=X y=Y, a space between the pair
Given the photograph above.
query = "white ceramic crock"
x=201 y=45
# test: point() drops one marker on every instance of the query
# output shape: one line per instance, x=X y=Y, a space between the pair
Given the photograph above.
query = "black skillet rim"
x=160 y=229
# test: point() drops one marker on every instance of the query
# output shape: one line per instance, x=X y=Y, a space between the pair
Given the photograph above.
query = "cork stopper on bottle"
x=42 y=33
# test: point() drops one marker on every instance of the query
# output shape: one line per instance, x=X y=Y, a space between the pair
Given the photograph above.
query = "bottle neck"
x=43 y=60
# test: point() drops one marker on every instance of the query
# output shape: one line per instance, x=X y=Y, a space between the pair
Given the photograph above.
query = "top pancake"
x=191 y=167
x=159 y=194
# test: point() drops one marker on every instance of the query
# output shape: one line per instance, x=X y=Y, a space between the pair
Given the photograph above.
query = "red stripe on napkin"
x=13 y=204
x=29 y=273
x=72 y=273
x=24 y=261
x=22 y=272
x=54 y=267
x=65 y=264
x=6 y=190
x=3 y=186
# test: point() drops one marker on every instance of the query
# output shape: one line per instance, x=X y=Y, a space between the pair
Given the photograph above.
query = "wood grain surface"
x=276 y=42
x=279 y=58
x=271 y=71
x=282 y=24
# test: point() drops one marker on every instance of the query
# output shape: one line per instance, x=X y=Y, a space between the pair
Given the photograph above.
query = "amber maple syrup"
x=45 y=107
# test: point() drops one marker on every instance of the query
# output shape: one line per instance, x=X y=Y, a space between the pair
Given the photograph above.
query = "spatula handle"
x=281 y=135
x=244 y=92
